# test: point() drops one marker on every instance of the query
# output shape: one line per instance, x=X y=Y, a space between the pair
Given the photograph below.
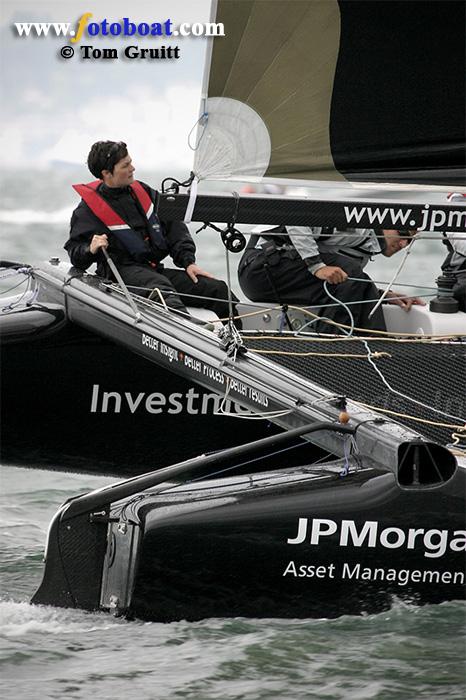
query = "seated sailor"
x=455 y=262
x=117 y=213
x=291 y=265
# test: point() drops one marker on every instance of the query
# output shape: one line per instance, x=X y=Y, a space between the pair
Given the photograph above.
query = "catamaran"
x=362 y=496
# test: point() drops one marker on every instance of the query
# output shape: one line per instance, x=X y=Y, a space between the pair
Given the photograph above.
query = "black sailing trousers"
x=284 y=278
x=177 y=287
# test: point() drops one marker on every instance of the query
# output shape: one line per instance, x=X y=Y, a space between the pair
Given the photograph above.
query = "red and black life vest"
x=136 y=245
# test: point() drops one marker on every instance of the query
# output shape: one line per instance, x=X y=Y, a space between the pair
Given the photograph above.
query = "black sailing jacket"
x=85 y=224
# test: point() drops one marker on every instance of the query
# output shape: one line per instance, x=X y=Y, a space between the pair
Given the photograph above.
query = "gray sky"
x=53 y=109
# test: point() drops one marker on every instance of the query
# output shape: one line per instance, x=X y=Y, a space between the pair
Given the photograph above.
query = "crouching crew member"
x=117 y=213
x=291 y=266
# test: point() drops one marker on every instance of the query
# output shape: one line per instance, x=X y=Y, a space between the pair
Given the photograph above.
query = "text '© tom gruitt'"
x=131 y=52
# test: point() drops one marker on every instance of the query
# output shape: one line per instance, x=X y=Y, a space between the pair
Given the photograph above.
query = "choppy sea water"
x=403 y=654
x=407 y=652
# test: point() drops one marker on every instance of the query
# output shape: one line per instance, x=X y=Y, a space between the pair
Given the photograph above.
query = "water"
x=405 y=653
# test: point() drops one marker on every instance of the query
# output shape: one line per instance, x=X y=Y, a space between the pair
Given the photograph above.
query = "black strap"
x=284 y=306
x=327 y=232
x=446 y=241
x=278 y=240
x=252 y=241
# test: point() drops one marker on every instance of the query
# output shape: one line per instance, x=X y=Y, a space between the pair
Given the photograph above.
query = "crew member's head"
x=110 y=161
x=395 y=240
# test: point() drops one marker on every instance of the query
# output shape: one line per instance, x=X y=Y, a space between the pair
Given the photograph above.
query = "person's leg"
x=284 y=280
x=144 y=281
x=207 y=292
x=277 y=279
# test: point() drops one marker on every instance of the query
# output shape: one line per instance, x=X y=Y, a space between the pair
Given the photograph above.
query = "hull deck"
x=156 y=389
x=310 y=541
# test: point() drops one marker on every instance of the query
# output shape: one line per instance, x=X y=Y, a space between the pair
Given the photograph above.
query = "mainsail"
x=361 y=102
x=353 y=90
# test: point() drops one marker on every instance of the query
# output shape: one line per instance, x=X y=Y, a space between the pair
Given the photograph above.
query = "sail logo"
x=434 y=541
x=389 y=217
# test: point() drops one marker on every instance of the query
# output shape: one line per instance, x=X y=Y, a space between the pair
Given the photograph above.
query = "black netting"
x=433 y=373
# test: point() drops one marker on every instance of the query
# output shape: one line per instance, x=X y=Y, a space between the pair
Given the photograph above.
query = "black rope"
x=251 y=461
x=176 y=184
x=284 y=306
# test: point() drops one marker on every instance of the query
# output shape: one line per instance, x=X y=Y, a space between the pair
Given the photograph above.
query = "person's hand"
x=406 y=303
x=98 y=241
x=194 y=270
x=331 y=274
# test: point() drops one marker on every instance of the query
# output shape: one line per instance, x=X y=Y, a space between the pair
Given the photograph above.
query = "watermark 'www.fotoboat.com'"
x=87 y=28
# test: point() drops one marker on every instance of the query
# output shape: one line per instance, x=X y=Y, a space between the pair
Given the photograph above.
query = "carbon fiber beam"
x=275 y=210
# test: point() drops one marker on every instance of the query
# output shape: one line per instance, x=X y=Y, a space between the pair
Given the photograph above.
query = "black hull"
x=89 y=385
x=311 y=541
x=237 y=562
x=56 y=413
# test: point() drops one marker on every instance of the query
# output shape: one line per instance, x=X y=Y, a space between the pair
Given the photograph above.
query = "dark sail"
x=398 y=104
x=353 y=89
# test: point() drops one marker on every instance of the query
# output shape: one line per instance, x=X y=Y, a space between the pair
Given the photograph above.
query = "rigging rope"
x=28 y=279
x=260 y=308
x=421 y=236
x=256 y=459
x=379 y=409
x=407 y=252
x=345 y=306
x=318 y=354
x=373 y=330
x=400 y=393
x=370 y=355
x=386 y=335
x=257 y=415
x=327 y=338
x=156 y=291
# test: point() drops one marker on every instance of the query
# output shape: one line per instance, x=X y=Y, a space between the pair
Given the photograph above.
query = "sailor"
x=289 y=265
x=455 y=262
x=117 y=213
